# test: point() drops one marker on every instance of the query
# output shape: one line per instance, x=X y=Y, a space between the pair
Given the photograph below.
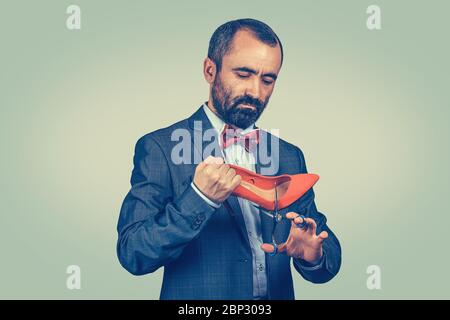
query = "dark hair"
x=220 y=42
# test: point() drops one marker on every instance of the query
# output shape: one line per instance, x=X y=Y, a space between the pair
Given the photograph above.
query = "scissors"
x=276 y=216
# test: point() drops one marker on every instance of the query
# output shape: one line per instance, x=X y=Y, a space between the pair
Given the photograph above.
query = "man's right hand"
x=215 y=179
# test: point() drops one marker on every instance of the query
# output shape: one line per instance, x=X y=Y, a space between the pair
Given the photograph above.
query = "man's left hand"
x=302 y=243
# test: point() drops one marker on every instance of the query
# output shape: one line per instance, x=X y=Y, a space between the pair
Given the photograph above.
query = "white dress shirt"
x=236 y=154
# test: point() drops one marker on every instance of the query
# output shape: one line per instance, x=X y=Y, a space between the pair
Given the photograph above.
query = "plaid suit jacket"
x=205 y=251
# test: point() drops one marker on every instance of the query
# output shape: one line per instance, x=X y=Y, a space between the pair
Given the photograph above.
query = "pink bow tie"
x=231 y=136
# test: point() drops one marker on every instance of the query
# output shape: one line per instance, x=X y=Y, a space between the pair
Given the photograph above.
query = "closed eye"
x=243 y=74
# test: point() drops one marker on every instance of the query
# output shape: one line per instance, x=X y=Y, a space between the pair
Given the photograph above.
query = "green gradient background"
x=370 y=109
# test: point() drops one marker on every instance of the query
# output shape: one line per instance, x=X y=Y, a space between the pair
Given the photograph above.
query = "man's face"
x=242 y=88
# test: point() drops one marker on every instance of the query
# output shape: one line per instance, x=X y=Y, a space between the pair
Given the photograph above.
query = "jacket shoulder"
x=161 y=136
x=285 y=146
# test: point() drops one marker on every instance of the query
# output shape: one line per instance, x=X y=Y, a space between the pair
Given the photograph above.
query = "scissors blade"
x=276 y=201
x=266 y=212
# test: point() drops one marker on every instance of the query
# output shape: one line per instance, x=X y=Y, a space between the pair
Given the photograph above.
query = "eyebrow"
x=249 y=70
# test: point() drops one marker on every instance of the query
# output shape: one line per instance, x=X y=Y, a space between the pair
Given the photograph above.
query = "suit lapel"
x=200 y=125
x=204 y=137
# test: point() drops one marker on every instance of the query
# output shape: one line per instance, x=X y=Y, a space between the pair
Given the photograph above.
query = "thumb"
x=323 y=235
x=213 y=160
x=269 y=248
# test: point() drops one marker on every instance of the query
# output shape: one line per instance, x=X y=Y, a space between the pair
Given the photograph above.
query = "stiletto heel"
x=261 y=189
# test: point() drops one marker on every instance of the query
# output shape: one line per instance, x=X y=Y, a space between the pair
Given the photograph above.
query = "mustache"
x=248 y=100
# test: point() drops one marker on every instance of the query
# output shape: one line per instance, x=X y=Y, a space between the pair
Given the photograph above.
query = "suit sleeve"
x=331 y=262
x=154 y=227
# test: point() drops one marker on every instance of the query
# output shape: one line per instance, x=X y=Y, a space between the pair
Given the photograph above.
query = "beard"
x=231 y=110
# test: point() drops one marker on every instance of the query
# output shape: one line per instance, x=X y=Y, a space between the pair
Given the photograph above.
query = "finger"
x=235 y=182
x=282 y=247
x=303 y=224
x=269 y=248
x=322 y=236
x=291 y=215
x=224 y=168
x=298 y=221
x=220 y=160
x=312 y=226
x=212 y=169
x=209 y=160
x=213 y=160
x=208 y=169
x=230 y=174
x=216 y=166
x=201 y=166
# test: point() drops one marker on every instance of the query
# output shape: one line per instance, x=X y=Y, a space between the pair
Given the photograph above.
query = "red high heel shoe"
x=261 y=189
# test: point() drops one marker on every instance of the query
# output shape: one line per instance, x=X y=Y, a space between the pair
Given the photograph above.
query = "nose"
x=254 y=89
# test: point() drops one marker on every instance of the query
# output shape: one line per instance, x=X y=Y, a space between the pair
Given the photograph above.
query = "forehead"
x=248 y=51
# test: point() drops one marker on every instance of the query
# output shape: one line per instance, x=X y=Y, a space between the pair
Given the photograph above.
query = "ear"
x=209 y=70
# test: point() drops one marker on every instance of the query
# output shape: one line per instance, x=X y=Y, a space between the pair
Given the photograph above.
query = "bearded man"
x=182 y=215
